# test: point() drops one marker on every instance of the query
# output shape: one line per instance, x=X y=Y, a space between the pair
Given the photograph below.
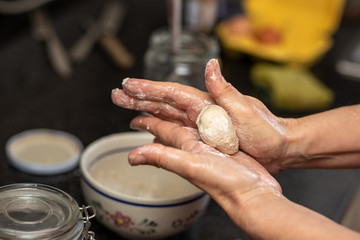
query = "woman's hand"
x=262 y=135
x=166 y=100
x=228 y=179
x=242 y=186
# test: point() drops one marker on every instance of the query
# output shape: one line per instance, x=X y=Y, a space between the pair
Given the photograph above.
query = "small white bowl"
x=141 y=202
x=44 y=151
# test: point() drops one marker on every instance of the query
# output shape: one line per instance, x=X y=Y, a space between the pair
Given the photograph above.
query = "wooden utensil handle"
x=117 y=51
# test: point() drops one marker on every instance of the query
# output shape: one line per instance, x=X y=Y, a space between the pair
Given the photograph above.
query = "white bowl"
x=142 y=202
x=44 y=151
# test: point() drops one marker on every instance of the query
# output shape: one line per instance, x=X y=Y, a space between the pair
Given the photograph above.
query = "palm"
x=182 y=104
x=261 y=134
x=216 y=173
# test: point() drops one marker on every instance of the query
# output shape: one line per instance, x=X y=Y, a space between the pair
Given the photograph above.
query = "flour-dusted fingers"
x=237 y=105
x=158 y=109
x=204 y=170
x=223 y=92
x=172 y=134
x=162 y=156
x=219 y=175
x=183 y=97
x=228 y=97
x=261 y=134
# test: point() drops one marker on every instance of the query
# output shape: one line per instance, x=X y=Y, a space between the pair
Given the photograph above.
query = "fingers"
x=223 y=92
x=171 y=134
x=168 y=158
x=185 y=155
x=219 y=176
x=158 y=109
x=182 y=97
x=215 y=82
x=207 y=171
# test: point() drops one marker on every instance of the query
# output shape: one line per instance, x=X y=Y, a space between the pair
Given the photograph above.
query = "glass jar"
x=37 y=211
x=185 y=65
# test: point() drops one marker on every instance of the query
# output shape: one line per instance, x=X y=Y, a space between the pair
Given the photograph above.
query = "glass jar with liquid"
x=186 y=64
x=36 y=211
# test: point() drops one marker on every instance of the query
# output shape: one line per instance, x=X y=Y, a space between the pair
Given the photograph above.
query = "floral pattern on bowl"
x=134 y=217
x=144 y=227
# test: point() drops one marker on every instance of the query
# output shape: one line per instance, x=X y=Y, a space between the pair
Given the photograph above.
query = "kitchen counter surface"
x=32 y=95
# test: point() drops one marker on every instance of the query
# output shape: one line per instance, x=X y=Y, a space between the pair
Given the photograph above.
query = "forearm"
x=273 y=218
x=329 y=139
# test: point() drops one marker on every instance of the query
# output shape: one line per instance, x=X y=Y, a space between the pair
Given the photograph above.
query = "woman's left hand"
x=228 y=179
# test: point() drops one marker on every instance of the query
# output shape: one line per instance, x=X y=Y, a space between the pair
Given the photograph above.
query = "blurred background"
x=299 y=57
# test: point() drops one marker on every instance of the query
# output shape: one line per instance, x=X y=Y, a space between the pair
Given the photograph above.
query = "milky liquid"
x=44 y=149
x=115 y=173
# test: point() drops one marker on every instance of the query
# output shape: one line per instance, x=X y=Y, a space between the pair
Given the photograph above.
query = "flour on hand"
x=216 y=129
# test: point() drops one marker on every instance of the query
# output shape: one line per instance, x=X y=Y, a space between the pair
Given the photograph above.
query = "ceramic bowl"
x=142 y=202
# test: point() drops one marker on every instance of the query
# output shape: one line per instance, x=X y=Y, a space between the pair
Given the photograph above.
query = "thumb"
x=222 y=91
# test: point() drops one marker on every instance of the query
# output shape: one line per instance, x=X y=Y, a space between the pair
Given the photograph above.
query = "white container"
x=44 y=151
x=120 y=192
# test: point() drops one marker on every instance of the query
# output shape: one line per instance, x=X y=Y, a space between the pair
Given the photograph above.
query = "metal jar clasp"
x=87 y=213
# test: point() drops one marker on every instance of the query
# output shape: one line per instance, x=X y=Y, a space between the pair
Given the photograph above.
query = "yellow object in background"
x=291 y=88
x=303 y=29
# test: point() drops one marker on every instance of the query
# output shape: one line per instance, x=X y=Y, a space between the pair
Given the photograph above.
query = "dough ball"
x=217 y=130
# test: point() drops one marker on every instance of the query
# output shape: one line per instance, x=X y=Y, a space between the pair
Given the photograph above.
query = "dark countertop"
x=33 y=96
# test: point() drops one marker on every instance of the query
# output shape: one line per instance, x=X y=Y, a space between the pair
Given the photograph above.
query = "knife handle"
x=117 y=52
x=83 y=47
x=58 y=57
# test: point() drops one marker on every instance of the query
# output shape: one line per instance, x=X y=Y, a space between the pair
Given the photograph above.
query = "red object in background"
x=268 y=35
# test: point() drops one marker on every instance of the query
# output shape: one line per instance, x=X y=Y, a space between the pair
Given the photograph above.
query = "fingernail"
x=134 y=126
x=115 y=90
x=208 y=65
x=213 y=70
x=124 y=80
x=136 y=159
x=217 y=69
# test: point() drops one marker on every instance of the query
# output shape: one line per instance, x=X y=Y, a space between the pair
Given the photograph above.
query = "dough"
x=217 y=130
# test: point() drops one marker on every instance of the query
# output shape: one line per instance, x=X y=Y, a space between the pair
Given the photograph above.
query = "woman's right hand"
x=262 y=135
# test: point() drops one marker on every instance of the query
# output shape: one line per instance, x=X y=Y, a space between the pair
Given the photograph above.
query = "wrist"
x=306 y=143
x=253 y=206
x=294 y=142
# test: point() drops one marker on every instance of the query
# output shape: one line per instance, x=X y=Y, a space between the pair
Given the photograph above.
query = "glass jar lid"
x=36 y=211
